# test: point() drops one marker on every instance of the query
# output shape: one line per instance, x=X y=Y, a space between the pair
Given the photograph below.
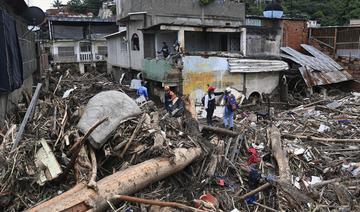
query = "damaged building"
x=213 y=47
x=79 y=40
x=19 y=67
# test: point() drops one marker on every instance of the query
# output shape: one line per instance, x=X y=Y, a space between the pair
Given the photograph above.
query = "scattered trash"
x=323 y=128
x=317 y=138
x=68 y=92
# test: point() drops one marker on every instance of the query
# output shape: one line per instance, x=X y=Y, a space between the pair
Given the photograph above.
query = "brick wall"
x=295 y=32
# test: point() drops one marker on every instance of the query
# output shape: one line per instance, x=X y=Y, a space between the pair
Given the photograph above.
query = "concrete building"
x=79 y=40
x=19 y=54
x=213 y=41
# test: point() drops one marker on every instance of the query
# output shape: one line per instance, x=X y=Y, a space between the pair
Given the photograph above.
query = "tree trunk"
x=129 y=181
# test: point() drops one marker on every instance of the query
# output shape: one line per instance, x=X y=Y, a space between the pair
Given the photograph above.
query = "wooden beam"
x=27 y=116
x=218 y=130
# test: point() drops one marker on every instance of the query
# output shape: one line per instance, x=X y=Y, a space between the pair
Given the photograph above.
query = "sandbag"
x=116 y=106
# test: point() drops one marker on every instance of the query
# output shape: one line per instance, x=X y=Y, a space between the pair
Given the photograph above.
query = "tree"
x=57 y=4
x=330 y=12
x=85 y=6
x=76 y=6
x=93 y=6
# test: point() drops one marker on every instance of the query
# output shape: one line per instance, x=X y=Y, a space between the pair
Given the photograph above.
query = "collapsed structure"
x=81 y=142
x=214 y=47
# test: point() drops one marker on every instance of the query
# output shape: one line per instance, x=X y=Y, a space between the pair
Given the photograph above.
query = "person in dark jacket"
x=230 y=108
x=164 y=50
x=210 y=104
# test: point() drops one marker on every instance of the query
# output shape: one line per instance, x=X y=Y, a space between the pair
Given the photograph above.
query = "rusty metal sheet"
x=318 y=70
x=321 y=56
x=313 y=77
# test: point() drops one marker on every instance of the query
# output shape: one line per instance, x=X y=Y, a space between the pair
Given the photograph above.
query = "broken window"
x=135 y=42
x=85 y=47
x=102 y=50
x=66 y=51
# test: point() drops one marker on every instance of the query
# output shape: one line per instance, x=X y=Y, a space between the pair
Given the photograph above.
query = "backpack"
x=231 y=106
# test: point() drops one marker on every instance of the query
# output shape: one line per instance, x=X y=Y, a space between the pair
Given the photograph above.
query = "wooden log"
x=255 y=191
x=138 y=127
x=279 y=154
x=124 y=182
x=218 y=130
x=313 y=138
x=27 y=116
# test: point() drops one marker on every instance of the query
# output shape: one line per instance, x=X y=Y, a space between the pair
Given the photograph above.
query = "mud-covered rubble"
x=301 y=158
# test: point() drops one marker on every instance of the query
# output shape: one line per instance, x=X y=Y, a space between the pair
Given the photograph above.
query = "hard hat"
x=211 y=88
x=228 y=90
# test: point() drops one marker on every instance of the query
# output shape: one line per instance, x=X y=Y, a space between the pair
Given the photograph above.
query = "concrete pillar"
x=82 y=68
x=181 y=38
x=243 y=41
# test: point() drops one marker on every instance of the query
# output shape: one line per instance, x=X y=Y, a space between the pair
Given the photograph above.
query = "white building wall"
x=117 y=51
x=137 y=57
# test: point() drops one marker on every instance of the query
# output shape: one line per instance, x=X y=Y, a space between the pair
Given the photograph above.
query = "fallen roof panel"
x=256 y=66
x=317 y=70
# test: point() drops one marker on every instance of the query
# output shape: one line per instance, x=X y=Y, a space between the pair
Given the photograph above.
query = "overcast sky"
x=43 y=4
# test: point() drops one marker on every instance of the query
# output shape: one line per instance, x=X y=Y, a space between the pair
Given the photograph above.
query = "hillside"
x=329 y=12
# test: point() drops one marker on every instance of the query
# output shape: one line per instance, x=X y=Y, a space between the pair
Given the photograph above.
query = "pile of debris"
x=87 y=144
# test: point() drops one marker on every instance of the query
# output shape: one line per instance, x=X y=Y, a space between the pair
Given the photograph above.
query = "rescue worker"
x=230 y=108
x=142 y=91
x=210 y=104
x=176 y=106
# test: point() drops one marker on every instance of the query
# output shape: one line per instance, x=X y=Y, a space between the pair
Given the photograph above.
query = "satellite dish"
x=34 y=16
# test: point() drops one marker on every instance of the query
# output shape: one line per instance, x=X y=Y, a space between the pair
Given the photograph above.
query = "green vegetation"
x=85 y=6
x=329 y=12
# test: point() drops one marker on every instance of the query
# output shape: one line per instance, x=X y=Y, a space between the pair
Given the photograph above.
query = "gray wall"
x=263 y=42
x=184 y=11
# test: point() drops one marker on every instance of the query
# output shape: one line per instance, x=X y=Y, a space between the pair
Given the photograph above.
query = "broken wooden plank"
x=218 y=130
x=45 y=161
x=313 y=138
x=33 y=102
x=279 y=154
x=124 y=182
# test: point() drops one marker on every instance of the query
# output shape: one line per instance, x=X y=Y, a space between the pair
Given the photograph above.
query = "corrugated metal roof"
x=80 y=19
x=317 y=70
x=256 y=66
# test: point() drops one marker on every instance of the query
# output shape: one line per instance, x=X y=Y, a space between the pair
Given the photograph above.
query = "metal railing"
x=82 y=57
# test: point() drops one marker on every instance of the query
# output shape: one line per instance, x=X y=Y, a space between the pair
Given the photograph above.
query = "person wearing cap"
x=210 y=104
x=142 y=91
x=230 y=107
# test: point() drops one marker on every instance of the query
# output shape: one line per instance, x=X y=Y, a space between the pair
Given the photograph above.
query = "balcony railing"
x=82 y=57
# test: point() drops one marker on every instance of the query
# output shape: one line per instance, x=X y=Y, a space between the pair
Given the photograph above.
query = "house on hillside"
x=79 y=40
x=18 y=55
x=208 y=45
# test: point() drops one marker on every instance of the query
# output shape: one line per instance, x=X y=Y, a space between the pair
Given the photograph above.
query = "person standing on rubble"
x=143 y=91
x=164 y=50
x=210 y=104
x=230 y=108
